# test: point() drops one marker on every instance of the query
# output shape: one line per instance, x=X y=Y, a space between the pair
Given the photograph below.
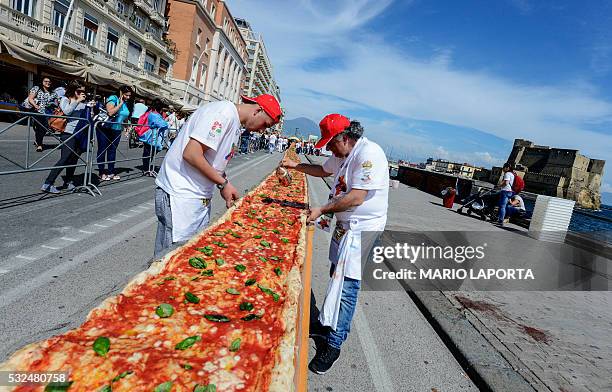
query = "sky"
x=449 y=79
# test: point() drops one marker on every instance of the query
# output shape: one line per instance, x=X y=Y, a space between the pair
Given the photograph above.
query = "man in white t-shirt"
x=359 y=199
x=196 y=161
x=506 y=191
x=515 y=206
x=272 y=143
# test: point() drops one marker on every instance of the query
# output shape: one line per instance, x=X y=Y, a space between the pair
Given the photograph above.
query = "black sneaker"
x=324 y=359
x=317 y=330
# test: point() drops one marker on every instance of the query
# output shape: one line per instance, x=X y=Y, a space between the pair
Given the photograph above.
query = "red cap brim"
x=248 y=99
x=323 y=142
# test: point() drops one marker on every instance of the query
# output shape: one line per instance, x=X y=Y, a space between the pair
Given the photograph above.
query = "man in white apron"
x=196 y=161
x=359 y=200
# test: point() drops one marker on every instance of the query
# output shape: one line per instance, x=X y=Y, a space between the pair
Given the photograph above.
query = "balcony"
x=157 y=43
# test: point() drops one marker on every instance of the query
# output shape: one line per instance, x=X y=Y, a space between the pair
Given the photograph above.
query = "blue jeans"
x=512 y=210
x=348 y=303
x=504 y=196
x=108 y=141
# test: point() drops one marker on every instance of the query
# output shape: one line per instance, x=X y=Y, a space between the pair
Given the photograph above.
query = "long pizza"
x=217 y=314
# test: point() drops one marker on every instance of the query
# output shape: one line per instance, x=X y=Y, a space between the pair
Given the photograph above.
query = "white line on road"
x=49 y=247
x=86 y=232
x=68 y=239
x=113 y=220
x=126 y=216
x=378 y=371
x=12 y=295
x=25 y=257
x=99 y=225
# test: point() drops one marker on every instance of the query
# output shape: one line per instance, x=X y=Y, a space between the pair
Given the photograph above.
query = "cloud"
x=376 y=73
x=606 y=187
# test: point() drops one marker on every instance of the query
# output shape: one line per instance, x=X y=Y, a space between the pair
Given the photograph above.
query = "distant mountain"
x=301 y=127
x=606 y=198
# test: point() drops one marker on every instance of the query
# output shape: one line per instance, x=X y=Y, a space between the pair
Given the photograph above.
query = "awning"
x=33 y=56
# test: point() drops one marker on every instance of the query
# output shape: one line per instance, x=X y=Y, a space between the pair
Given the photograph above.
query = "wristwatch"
x=221 y=186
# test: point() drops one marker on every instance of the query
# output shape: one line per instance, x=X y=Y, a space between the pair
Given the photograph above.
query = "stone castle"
x=557 y=172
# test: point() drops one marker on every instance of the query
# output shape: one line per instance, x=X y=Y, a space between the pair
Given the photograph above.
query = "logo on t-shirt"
x=216 y=129
x=340 y=186
x=230 y=155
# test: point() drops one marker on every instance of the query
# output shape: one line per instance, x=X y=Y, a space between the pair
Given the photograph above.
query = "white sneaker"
x=70 y=186
x=48 y=188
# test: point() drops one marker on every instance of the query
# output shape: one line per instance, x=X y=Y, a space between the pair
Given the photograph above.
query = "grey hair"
x=354 y=130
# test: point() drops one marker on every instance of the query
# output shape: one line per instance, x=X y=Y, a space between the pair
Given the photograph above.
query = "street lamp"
x=191 y=75
x=66 y=20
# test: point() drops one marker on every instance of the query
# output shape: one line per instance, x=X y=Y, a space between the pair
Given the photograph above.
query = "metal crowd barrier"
x=91 y=153
x=32 y=120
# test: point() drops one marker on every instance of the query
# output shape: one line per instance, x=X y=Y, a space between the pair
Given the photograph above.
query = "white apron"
x=189 y=217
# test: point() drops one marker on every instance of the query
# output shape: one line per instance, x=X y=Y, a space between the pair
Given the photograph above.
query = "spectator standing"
x=271 y=143
x=109 y=134
x=41 y=100
x=73 y=105
x=139 y=109
x=158 y=126
x=506 y=191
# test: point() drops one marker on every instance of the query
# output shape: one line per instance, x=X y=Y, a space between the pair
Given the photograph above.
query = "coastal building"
x=260 y=73
x=106 y=42
x=444 y=166
x=557 y=172
x=211 y=60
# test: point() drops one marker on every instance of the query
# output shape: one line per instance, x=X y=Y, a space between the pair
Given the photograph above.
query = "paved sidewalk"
x=558 y=341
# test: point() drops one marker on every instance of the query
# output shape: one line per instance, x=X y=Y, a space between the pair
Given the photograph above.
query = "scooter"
x=482 y=204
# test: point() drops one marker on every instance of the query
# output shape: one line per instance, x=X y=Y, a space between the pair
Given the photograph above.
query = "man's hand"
x=289 y=163
x=230 y=194
x=314 y=213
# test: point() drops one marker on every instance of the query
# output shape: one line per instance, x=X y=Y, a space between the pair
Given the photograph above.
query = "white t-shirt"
x=521 y=205
x=272 y=139
x=369 y=170
x=215 y=125
x=509 y=178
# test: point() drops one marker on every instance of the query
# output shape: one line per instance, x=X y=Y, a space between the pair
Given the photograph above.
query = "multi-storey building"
x=108 y=42
x=260 y=76
x=211 y=59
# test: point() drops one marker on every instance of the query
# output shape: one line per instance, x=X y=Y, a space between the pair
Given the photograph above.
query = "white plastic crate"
x=551 y=218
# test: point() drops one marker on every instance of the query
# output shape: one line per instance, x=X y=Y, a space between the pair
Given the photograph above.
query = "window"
x=133 y=54
x=163 y=68
x=150 y=60
x=198 y=37
x=120 y=8
x=157 y=5
x=212 y=10
x=194 y=70
x=202 y=76
x=138 y=21
x=24 y=6
x=60 y=10
x=207 y=43
x=112 y=39
x=90 y=29
x=154 y=30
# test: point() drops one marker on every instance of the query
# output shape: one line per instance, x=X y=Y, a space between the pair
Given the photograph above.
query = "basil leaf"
x=197 y=262
x=235 y=346
x=250 y=317
x=265 y=243
x=58 y=386
x=207 y=250
x=275 y=297
x=263 y=259
x=205 y=388
x=232 y=291
x=266 y=290
x=285 y=240
x=261 y=220
x=169 y=278
x=219 y=261
x=240 y=267
x=122 y=375
x=106 y=388
x=262 y=195
x=250 y=282
x=164 y=387
x=278 y=271
x=257 y=236
x=207 y=272
x=187 y=366
x=236 y=235
x=219 y=318
x=246 y=306
x=275 y=258
x=192 y=298
x=238 y=223
x=101 y=346
x=219 y=234
x=195 y=278
x=220 y=244
x=185 y=344
x=164 y=310
x=275 y=231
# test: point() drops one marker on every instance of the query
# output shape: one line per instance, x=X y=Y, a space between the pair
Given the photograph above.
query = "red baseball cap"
x=268 y=103
x=331 y=125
